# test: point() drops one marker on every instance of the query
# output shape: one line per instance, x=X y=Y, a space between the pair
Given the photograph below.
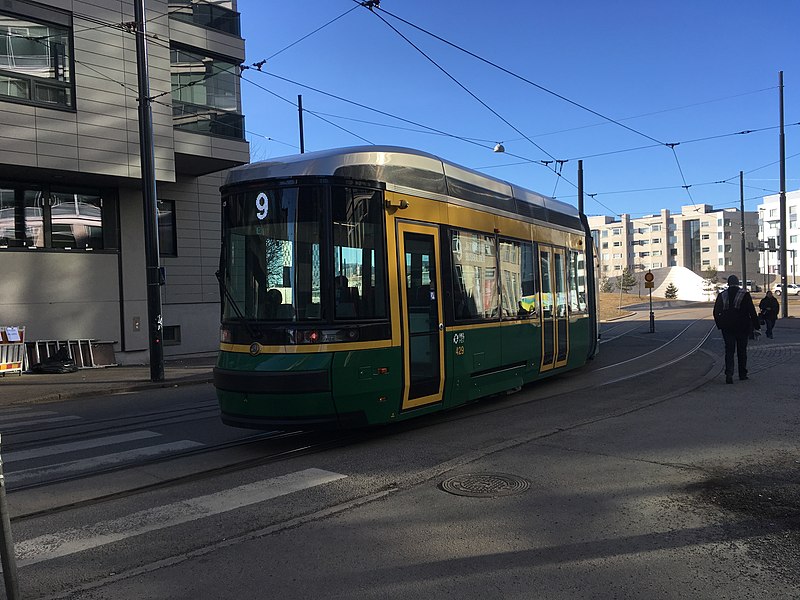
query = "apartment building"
x=699 y=238
x=769 y=226
x=72 y=258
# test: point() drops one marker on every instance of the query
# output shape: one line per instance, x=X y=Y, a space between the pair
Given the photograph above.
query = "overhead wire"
x=462 y=86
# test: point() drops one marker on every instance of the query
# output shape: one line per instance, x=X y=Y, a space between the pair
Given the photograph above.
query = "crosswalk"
x=93 y=453
x=70 y=541
x=70 y=459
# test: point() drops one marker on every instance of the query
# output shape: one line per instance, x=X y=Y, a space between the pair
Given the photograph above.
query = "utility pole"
x=782 y=238
x=744 y=244
x=155 y=276
x=300 y=117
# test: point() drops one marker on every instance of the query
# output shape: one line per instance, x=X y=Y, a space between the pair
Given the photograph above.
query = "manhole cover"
x=485 y=485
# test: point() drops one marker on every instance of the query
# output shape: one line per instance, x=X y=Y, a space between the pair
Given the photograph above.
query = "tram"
x=374 y=284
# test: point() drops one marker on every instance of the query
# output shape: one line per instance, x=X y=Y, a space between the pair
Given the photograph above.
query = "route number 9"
x=262 y=206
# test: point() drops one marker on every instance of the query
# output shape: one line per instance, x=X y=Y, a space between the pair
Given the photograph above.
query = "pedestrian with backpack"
x=735 y=315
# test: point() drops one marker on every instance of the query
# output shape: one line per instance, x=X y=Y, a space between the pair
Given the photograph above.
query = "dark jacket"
x=735 y=313
x=769 y=307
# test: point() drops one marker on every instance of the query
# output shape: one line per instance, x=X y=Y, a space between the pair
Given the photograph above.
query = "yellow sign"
x=648 y=284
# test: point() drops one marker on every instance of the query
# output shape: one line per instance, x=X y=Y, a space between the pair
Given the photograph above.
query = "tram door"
x=421 y=302
x=555 y=322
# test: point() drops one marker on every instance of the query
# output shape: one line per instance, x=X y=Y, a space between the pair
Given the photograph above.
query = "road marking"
x=95 y=462
x=27 y=414
x=17 y=424
x=76 y=446
x=55 y=545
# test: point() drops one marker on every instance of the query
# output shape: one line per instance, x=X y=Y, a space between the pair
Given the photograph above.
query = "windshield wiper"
x=255 y=334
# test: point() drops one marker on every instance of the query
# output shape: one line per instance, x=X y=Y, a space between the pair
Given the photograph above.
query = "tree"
x=671 y=292
x=627 y=280
x=606 y=285
x=710 y=279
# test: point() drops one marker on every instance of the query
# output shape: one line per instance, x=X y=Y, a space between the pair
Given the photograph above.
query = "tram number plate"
x=459 y=350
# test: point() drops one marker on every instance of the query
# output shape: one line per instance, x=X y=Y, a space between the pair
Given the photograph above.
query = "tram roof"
x=411 y=169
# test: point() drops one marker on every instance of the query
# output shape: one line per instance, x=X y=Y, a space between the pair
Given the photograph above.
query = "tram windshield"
x=282 y=261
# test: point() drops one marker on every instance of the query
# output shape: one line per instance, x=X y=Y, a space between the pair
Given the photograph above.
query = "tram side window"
x=517 y=284
x=474 y=275
x=576 y=281
x=359 y=256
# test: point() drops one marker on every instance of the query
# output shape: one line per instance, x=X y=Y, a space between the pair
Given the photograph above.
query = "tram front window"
x=272 y=254
x=283 y=262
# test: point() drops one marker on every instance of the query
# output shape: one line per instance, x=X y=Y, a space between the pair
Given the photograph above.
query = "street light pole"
x=150 y=198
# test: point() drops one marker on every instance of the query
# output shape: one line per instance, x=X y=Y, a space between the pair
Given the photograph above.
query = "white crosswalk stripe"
x=73 y=467
x=100 y=442
x=64 y=543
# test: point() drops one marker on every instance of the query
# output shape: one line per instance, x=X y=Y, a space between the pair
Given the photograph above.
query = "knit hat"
x=733 y=280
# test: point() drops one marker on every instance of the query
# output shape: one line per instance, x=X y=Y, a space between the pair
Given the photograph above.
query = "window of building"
x=205 y=94
x=36 y=55
x=34 y=217
x=617 y=256
x=655 y=227
x=657 y=253
x=618 y=267
x=655 y=241
x=605 y=233
x=706 y=249
x=706 y=263
x=706 y=236
x=617 y=244
x=616 y=231
x=205 y=14
x=167 y=231
x=704 y=224
x=656 y=265
x=605 y=245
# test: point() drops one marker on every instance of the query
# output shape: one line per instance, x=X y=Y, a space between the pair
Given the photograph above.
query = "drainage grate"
x=485 y=485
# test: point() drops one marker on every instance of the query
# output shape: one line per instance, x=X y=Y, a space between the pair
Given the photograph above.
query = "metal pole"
x=652 y=314
x=580 y=187
x=7 y=556
x=744 y=245
x=782 y=237
x=300 y=116
x=147 y=154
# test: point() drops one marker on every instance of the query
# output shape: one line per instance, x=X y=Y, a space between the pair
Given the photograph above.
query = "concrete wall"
x=61 y=295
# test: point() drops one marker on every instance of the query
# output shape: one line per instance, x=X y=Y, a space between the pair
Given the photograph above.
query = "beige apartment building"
x=769 y=227
x=699 y=238
x=72 y=258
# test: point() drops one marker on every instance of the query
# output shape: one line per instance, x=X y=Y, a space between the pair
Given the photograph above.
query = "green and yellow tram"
x=374 y=284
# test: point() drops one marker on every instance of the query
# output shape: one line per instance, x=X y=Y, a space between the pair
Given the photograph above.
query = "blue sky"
x=668 y=73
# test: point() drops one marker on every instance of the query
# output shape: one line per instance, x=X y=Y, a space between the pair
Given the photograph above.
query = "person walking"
x=769 y=308
x=735 y=315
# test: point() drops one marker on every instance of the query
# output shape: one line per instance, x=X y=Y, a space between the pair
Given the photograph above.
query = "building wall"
x=81 y=294
x=715 y=234
x=769 y=221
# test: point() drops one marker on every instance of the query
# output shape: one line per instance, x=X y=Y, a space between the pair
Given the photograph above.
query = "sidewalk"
x=30 y=388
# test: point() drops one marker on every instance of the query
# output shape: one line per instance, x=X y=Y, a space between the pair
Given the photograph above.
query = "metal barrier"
x=12 y=350
x=84 y=352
